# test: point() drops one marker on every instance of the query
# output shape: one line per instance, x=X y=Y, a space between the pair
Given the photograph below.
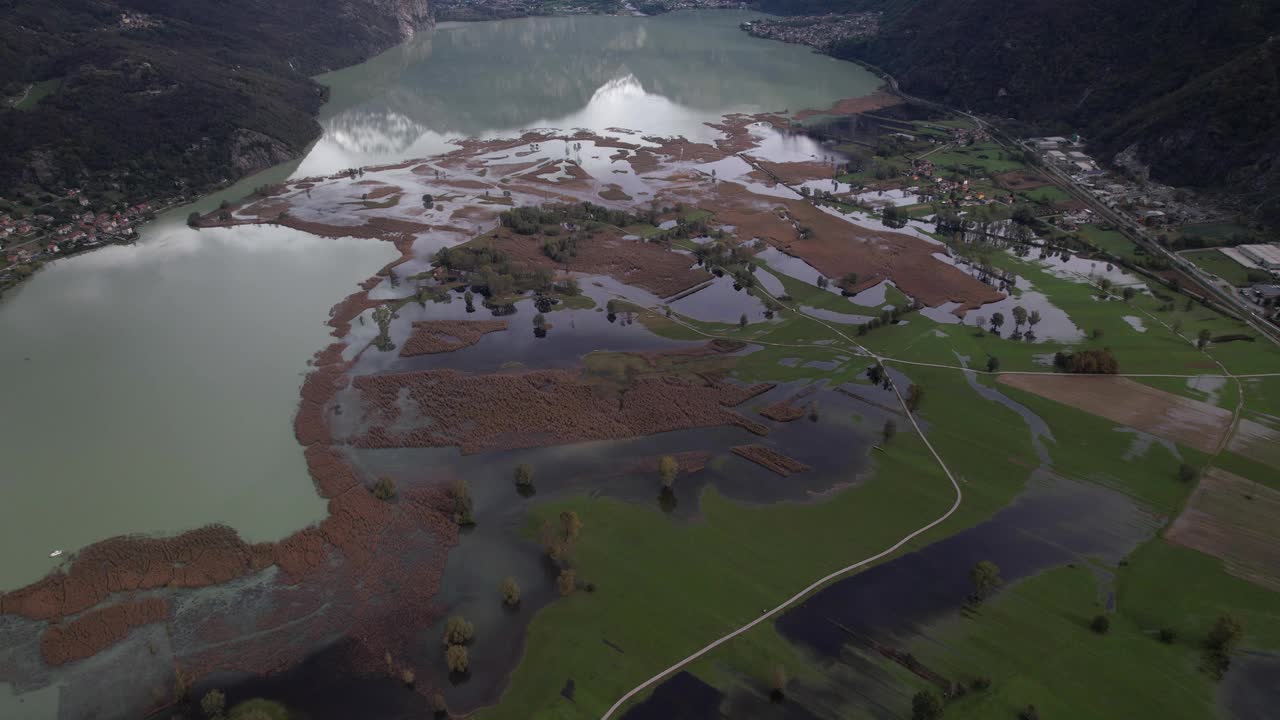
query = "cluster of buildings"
x=1150 y=202
x=817 y=31
x=42 y=236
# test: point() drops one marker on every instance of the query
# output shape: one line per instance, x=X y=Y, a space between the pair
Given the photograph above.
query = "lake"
x=151 y=388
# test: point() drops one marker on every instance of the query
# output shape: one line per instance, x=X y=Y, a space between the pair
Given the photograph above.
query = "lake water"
x=151 y=388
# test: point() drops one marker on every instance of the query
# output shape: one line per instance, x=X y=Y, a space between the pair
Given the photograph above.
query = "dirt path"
x=834 y=574
x=913 y=534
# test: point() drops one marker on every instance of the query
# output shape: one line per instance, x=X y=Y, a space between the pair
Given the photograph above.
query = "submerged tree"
x=457 y=658
x=915 y=394
x=985 y=578
x=213 y=703
x=458 y=630
x=462 y=504
x=524 y=475
x=510 y=592
x=1019 y=316
x=385 y=488
x=890 y=429
x=668 y=469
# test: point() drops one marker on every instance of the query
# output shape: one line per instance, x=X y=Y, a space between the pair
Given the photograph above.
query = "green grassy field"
x=38 y=92
x=748 y=558
x=1090 y=448
x=1214 y=262
x=1046 y=195
x=1034 y=642
x=659 y=601
x=985 y=159
x=1110 y=241
x=664 y=588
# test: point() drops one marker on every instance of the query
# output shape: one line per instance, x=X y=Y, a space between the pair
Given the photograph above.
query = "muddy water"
x=163 y=378
x=500 y=546
x=173 y=366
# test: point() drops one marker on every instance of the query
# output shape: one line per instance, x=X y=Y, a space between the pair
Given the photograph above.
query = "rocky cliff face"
x=410 y=15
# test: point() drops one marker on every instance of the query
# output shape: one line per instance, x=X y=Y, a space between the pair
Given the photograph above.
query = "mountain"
x=147 y=97
x=1191 y=86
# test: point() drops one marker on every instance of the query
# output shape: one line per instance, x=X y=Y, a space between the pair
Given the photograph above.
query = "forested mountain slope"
x=1192 y=83
x=149 y=95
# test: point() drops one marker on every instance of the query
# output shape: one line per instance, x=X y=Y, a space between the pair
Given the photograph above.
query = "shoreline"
x=96 y=601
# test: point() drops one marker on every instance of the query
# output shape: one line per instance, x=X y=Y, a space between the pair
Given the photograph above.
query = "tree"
x=539 y=321
x=567 y=581
x=438 y=704
x=993 y=364
x=915 y=394
x=510 y=592
x=985 y=578
x=1095 y=333
x=997 y=319
x=668 y=469
x=457 y=658
x=890 y=429
x=213 y=703
x=1019 y=316
x=193 y=220
x=822 y=282
x=1220 y=643
x=778 y=692
x=926 y=706
x=849 y=279
x=742 y=321
x=1188 y=473
x=385 y=488
x=1129 y=293
x=462 y=505
x=524 y=475
x=570 y=525
x=1168 y=635
x=458 y=630
x=1203 y=337
x=1225 y=634
x=1100 y=624
x=428 y=201
x=1029 y=713
x=1034 y=318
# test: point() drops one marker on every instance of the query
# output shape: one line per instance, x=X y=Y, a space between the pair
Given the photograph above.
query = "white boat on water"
x=55 y=553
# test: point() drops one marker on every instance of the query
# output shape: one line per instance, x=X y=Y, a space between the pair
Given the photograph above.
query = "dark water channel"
x=1055 y=521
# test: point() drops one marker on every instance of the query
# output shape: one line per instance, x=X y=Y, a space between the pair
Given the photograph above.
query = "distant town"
x=821 y=32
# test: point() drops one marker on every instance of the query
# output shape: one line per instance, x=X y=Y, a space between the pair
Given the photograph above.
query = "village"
x=820 y=32
x=66 y=226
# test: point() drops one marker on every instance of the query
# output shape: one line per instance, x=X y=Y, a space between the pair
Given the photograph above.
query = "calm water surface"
x=152 y=388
